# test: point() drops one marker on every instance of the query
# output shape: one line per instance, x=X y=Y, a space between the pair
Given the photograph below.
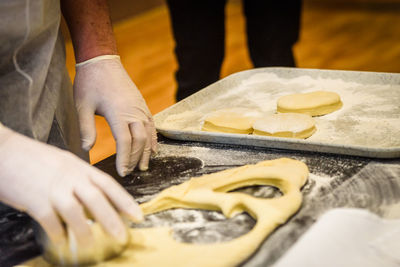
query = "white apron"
x=35 y=90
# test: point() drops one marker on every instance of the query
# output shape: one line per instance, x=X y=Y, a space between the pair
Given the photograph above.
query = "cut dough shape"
x=294 y=125
x=232 y=120
x=314 y=104
x=157 y=247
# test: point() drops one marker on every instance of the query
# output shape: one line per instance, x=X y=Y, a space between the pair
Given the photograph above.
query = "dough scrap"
x=232 y=120
x=314 y=104
x=294 y=125
x=157 y=247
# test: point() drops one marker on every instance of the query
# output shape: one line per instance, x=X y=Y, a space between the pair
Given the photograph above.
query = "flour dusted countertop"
x=335 y=181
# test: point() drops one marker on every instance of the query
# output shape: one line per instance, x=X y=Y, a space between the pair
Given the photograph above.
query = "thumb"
x=87 y=128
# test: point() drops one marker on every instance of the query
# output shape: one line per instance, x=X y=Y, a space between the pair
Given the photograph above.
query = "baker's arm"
x=90 y=27
x=102 y=86
x=49 y=183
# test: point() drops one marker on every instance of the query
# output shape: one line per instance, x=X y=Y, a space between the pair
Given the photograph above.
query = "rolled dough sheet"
x=157 y=247
x=233 y=120
x=314 y=104
x=292 y=125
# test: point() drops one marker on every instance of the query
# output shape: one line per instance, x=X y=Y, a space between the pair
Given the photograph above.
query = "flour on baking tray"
x=370 y=115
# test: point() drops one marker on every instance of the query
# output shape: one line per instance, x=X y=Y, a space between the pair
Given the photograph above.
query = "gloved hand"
x=102 y=86
x=47 y=182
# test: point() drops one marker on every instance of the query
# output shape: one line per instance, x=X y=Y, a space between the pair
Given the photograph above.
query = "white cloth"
x=347 y=237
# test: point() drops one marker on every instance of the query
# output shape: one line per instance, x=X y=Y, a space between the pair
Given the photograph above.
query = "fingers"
x=139 y=140
x=51 y=224
x=144 y=160
x=87 y=127
x=101 y=210
x=153 y=136
x=135 y=142
x=123 y=139
x=121 y=199
x=71 y=211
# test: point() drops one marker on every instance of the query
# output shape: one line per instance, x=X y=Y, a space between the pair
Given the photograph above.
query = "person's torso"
x=30 y=65
x=35 y=90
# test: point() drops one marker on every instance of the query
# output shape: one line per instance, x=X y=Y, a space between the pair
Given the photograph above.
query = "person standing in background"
x=199 y=30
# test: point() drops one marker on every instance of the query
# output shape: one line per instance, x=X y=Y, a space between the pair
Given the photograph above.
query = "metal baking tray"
x=367 y=125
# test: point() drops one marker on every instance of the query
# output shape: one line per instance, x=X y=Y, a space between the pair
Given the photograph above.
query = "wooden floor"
x=347 y=37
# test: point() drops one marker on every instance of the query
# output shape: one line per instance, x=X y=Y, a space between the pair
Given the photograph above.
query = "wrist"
x=90 y=53
x=96 y=59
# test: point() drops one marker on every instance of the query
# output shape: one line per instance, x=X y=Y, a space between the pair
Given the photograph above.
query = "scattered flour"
x=320 y=182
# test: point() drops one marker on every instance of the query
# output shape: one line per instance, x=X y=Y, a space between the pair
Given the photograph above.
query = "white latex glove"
x=102 y=86
x=49 y=183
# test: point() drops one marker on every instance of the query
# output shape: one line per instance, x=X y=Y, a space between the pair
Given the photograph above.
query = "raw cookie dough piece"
x=314 y=104
x=293 y=125
x=157 y=246
x=232 y=120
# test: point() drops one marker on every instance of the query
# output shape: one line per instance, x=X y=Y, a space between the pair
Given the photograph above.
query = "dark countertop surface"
x=335 y=181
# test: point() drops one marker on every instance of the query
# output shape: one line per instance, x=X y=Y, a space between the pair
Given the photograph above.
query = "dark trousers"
x=199 y=30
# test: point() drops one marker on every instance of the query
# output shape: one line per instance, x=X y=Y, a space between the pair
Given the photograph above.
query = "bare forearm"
x=90 y=27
